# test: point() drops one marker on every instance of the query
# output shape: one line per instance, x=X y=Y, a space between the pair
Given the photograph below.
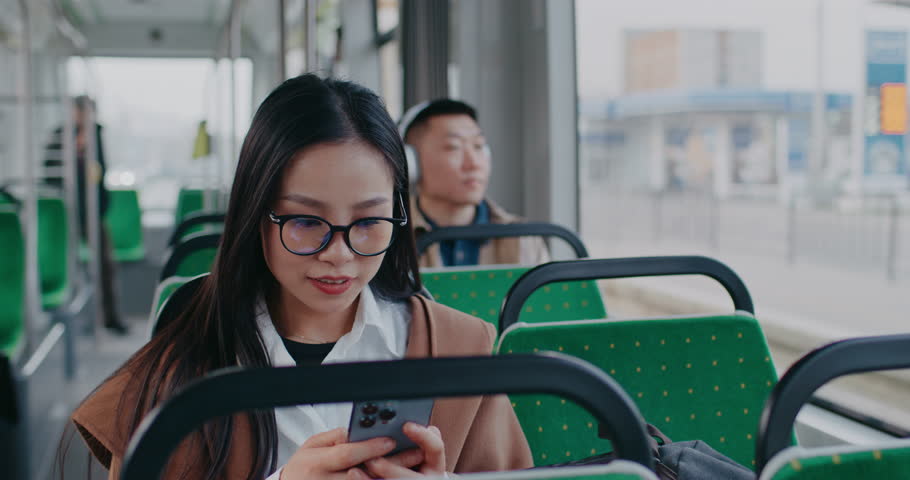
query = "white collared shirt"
x=380 y=332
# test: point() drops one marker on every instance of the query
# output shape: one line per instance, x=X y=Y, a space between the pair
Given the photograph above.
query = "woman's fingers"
x=429 y=440
x=345 y=456
x=408 y=458
x=327 y=439
x=357 y=474
x=384 y=468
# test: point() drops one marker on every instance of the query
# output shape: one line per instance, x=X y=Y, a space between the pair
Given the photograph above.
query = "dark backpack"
x=690 y=460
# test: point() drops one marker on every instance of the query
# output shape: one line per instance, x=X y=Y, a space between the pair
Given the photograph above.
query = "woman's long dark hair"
x=219 y=328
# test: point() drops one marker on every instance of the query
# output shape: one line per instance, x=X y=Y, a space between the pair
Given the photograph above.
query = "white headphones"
x=410 y=152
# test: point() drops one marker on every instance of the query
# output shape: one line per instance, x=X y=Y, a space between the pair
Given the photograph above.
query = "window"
x=703 y=129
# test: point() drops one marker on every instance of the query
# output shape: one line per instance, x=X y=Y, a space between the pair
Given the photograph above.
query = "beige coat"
x=480 y=433
x=507 y=251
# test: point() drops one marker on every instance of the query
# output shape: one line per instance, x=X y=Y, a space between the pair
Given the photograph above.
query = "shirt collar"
x=374 y=319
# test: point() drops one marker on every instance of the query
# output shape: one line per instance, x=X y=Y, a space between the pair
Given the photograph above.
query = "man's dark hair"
x=439 y=107
x=82 y=102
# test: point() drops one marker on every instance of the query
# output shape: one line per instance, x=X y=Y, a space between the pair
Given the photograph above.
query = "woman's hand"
x=429 y=456
x=329 y=455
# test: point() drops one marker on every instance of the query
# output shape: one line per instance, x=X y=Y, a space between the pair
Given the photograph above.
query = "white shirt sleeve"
x=277 y=474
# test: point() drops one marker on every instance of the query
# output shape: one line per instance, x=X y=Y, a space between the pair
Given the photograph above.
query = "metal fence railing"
x=860 y=233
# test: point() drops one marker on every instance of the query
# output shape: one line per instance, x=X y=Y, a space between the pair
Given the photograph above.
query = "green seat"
x=480 y=291
x=53 y=234
x=615 y=470
x=165 y=289
x=197 y=263
x=203 y=229
x=778 y=459
x=841 y=462
x=697 y=377
x=188 y=200
x=124 y=223
x=163 y=292
x=12 y=282
x=192 y=257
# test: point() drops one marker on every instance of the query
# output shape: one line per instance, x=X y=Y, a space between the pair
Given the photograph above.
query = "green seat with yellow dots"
x=779 y=460
x=694 y=377
x=124 y=224
x=615 y=470
x=480 y=291
x=861 y=461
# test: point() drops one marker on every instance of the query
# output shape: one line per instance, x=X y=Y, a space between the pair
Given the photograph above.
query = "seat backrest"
x=194 y=256
x=53 y=245
x=546 y=274
x=231 y=391
x=488 y=231
x=124 y=222
x=694 y=377
x=165 y=289
x=188 y=200
x=480 y=292
x=615 y=470
x=12 y=281
x=808 y=374
x=196 y=222
x=172 y=297
x=843 y=462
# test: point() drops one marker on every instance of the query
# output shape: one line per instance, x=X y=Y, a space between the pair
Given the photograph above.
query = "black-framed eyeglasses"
x=308 y=234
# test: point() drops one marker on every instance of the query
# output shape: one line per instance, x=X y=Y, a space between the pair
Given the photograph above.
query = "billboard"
x=886 y=105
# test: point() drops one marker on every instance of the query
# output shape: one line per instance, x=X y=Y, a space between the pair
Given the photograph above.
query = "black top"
x=307 y=353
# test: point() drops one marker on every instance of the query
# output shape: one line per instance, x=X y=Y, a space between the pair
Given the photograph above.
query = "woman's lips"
x=331 y=285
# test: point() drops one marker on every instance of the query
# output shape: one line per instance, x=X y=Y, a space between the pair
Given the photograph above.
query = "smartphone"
x=386 y=418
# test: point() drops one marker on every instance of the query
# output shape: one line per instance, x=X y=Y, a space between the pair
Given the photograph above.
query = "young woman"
x=317 y=264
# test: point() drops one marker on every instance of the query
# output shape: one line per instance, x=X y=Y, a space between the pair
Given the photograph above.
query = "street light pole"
x=819 y=107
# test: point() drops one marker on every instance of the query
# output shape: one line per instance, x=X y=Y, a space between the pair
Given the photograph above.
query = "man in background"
x=95 y=169
x=454 y=171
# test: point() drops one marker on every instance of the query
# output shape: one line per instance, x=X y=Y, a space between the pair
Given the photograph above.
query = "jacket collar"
x=497 y=215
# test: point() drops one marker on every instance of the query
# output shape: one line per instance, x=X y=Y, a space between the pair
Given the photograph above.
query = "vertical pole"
x=236 y=21
x=92 y=179
x=219 y=158
x=657 y=200
x=819 y=121
x=29 y=216
x=893 y=236
x=282 y=42
x=70 y=197
x=857 y=119
x=791 y=230
x=715 y=221
x=210 y=167
x=70 y=194
x=309 y=12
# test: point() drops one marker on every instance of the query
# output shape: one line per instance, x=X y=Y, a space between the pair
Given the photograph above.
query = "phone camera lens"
x=387 y=414
x=367 y=422
x=370 y=409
